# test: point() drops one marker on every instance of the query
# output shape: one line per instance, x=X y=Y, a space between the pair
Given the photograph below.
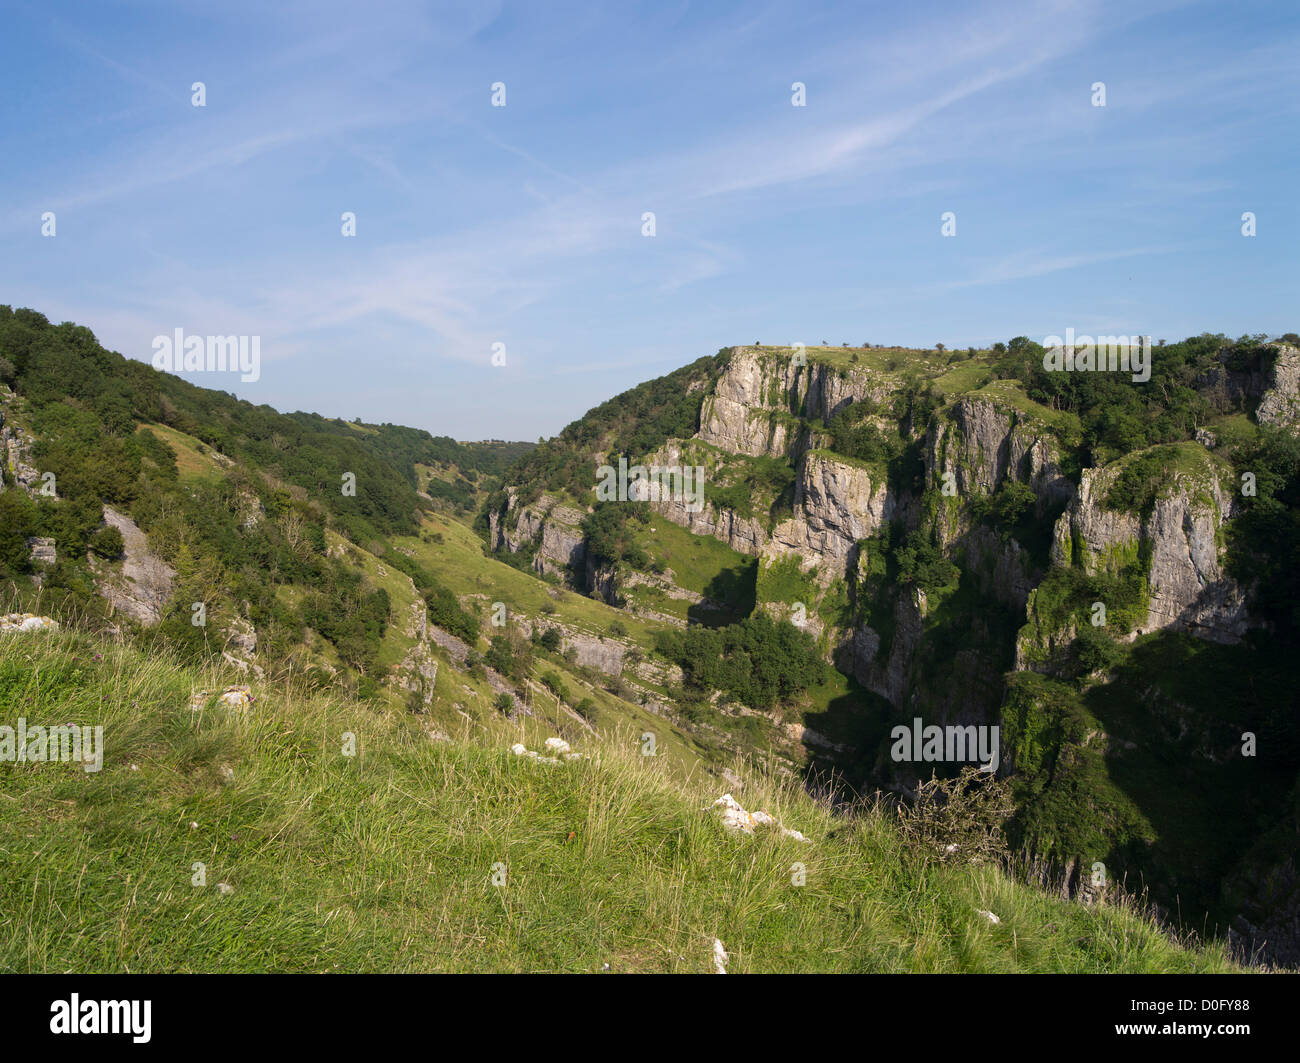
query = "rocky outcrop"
x=41 y=551
x=240 y=646
x=1280 y=403
x=758 y=402
x=547 y=526
x=590 y=651
x=887 y=674
x=837 y=502
x=23 y=622
x=16 y=447
x=416 y=674
x=745 y=535
x=143 y=585
x=984 y=444
x=251 y=510
x=1273 y=387
x=1002 y=568
x=1187 y=585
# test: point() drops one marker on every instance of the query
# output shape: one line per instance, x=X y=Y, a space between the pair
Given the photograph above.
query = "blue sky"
x=522 y=224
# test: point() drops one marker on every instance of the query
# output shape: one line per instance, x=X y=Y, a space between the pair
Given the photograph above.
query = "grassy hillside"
x=383 y=861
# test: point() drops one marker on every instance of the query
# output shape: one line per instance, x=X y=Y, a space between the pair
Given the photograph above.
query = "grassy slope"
x=382 y=861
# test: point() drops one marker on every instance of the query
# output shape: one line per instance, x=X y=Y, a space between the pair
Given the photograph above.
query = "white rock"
x=720 y=957
x=988 y=915
x=558 y=745
x=27 y=622
x=237 y=697
x=734 y=817
x=519 y=749
x=737 y=820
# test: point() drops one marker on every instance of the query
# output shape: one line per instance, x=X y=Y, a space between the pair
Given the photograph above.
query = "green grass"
x=700 y=564
x=383 y=861
x=458 y=561
x=193 y=458
x=1011 y=394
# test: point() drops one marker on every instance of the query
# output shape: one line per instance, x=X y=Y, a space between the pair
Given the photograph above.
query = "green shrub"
x=107 y=543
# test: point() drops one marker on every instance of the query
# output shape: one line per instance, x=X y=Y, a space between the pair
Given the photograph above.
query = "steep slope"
x=944 y=524
x=359 y=841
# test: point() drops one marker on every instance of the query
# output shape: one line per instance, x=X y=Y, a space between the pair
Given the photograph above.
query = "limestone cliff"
x=1180 y=541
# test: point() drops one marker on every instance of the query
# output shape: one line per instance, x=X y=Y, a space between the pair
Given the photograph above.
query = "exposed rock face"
x=143 y=587
x=743 y=415
x=889 y=677
x=605 y=655
x=1188 y=588
x=1280 y=404
x=745 y=535
x=837 y=502
x=736 y=417
x=251 y=510
x=554 y=528
x=459 y=651
x=985 y=444
x=16 y=447
x=241 y=646
x=1003 y=570
x=1087 y=521
x=1275 y=390
x=42 y=550
x=591 y=651
x=417 y=674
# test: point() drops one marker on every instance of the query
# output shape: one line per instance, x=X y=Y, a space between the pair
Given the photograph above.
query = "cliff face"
x=143 y=585
x=837 y=502
x=984 y=444
x=958 y=542
x=548 y=527
x=750 y=409
x=767 y=406
x=1273 y=389
x=1280 y=402
x=15 y=446
x=1187 y=588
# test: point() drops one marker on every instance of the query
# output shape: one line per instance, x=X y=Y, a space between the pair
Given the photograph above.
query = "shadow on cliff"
x=844 y=740
x=728 y=597
x=1175 y=750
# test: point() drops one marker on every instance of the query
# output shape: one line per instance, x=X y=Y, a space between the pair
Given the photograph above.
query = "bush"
x=958 y=820
x=1096 y=650
x=759 y=661
x=107 y=543
x=555 y=684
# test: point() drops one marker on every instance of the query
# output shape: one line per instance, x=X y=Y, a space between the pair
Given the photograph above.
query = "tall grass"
x=384 y=861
